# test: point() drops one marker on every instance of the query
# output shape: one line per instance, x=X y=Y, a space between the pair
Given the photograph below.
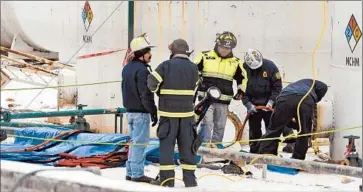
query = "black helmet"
x=226 y=39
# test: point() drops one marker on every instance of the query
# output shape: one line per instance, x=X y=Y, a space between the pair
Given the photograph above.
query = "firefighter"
x=219 y=67
x=139 y=102
x=264 y=84
x=286 y=109
x=174 y=82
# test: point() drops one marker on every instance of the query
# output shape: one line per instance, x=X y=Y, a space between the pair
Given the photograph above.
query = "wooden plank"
x=40 y=59
x=30 y=66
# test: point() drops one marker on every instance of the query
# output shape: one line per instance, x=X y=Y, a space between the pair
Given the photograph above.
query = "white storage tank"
x=346 y=72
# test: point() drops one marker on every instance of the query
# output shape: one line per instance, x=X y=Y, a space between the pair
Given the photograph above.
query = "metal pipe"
x=22 y=125
x=309 y=166
x=121 y=119
x=131 y=19
x=115 y=123
x=8 y=116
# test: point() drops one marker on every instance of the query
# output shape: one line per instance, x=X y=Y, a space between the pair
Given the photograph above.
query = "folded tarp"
x=80 y=145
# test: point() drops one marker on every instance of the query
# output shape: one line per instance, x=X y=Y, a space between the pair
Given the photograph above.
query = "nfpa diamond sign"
x=87 y=15
x=353 y=33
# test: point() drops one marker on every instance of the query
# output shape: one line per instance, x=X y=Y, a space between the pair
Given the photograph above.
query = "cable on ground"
x=147 y=144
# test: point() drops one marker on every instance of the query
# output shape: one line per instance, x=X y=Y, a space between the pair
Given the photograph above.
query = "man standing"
x=219 y=67
x=286 y=109
x=139 y=102
x=264 y=84
x=174 y=81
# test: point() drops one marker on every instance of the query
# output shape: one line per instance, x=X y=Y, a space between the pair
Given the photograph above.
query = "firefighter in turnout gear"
x=264 y=84
x=174 y=81
x=219 y=67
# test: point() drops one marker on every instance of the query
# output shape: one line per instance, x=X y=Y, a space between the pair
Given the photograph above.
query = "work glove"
x=251 y=109
x=238 y=95
x=269 y=105
x=154 y=119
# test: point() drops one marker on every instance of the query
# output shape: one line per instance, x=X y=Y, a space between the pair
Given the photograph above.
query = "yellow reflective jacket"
x=221 y=72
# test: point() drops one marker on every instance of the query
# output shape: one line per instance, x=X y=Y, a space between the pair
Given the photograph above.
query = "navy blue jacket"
x=136 y=95
x=302 y=86
x=264 y=84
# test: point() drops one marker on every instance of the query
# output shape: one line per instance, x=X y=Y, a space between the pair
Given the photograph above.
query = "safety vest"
x=221 y=72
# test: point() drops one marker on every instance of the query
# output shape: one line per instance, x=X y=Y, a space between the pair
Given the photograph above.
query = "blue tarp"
x=81 y=145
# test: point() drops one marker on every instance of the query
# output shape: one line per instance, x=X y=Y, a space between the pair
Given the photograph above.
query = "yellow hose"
x=314 y=76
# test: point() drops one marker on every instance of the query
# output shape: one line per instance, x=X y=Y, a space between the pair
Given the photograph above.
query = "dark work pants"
x=182 y=130
x=255 y=131
x=285 y=110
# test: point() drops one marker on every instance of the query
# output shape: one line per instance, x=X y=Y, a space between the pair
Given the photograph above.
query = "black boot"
x=143 y=179
x=189 y=178
x=128 y=178
x=289 y=148
x=158 y=181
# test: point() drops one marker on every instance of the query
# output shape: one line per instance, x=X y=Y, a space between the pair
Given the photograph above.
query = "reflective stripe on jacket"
x=174 y=81
x=220 y=72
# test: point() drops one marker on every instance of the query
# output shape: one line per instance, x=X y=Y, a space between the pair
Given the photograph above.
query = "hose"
x=240 y=127
x=314 y=76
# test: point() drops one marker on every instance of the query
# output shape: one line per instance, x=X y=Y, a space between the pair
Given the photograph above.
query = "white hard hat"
x=253 y=58
x=141 y=42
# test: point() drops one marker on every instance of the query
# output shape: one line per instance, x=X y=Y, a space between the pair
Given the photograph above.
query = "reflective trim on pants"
x=176 y=92
x=167 y=167
x=176 y=114
x=188 y=167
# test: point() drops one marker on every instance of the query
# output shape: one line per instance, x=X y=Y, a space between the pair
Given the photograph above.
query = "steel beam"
x=8 y=116
x=309 y=166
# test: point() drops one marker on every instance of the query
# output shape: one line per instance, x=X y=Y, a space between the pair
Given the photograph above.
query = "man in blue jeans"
x=140 y=105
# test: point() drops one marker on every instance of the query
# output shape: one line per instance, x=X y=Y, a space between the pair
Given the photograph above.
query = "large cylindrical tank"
x=48 y=25
x=346 y=70
x=67 y=28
